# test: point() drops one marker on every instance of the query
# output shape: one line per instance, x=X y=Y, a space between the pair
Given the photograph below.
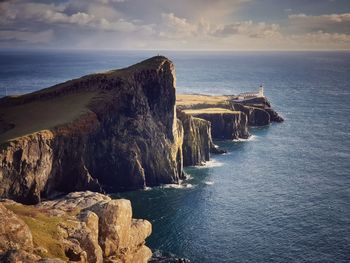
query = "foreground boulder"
x=80 y=227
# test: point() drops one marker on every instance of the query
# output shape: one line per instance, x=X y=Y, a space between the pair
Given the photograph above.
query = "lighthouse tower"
x=261 y=91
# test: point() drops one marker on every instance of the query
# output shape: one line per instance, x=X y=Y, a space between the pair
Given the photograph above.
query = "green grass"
x=44 y=229
x=45 y=114
x=209 y=111
x=190 y=100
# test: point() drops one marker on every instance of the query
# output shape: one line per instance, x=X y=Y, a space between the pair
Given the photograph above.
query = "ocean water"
x=281 y=196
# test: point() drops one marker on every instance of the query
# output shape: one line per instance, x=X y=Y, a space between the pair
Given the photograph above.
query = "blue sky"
x=176 y=24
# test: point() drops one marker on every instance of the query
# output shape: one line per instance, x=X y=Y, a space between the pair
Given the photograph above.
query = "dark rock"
x=129 y=138
x=256 y=116
x=274 y=115
x=228 y=126
x=197 y=140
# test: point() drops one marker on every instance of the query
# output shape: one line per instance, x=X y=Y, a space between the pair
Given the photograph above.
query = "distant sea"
x=281 y=196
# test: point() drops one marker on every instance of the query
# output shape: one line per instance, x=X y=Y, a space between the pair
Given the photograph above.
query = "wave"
x=210 y=164
x=208 y=182
x=177 y=186
x=251 y=138
x=187 y=177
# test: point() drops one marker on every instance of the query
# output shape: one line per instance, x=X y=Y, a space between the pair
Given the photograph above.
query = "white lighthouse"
x=261 y=91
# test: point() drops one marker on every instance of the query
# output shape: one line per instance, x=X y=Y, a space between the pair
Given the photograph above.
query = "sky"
x=176 y=24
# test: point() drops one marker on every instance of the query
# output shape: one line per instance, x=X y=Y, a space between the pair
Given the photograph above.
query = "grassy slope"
x=44 y=228
x=209 y=111
x=44 y=114
x=38 y=114
x=188 y=100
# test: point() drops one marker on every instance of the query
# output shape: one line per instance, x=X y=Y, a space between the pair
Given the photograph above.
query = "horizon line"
x=171 y=50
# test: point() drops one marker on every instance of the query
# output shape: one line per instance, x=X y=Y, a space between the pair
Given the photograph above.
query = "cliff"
x=197 y=141
x=225 y=124
x=80 y=227
x=259 y=111
x=113 y=131
x=230 y=119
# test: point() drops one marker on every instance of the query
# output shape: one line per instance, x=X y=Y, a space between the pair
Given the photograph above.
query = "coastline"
x=43 y=157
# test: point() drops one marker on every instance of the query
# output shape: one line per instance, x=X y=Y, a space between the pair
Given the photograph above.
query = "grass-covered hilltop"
x=115 y=131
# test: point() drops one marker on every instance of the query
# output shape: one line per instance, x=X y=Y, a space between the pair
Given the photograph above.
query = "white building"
x=252 y=95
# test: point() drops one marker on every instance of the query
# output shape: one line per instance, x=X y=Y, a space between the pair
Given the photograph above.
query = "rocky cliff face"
x=127 y=138
x=229 y=126
x=256 y=116
x=114 y=131
x=80 y=227
x=258 y=110
x=197 y=142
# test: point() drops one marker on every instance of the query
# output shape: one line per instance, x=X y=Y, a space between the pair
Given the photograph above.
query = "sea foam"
x=210 y=164
x=251 y=138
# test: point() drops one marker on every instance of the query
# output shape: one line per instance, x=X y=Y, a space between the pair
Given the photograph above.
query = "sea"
x=283 y=195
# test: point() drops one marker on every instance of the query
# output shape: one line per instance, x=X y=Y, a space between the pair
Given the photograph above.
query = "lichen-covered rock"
x=119 y=235
x=14 y=233
x=19 y=256
x=82 y=226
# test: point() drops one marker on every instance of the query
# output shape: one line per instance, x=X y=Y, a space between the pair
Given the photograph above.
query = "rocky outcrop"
x=229 y=118
x=82 y=227
x=225 y=124
x=258 y=110
x=14 y=233
x=256 y=116
x=126 y=137
x=197 y=142
x=114 y=131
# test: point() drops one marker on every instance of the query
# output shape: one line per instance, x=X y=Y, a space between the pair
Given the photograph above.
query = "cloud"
x=53 y=15
x=327 y=22
x=27 y=36
x=180 y=27
x=250 y=29
x=109 y=1
x=181 y=24
x=333 y=18
x=176 y=27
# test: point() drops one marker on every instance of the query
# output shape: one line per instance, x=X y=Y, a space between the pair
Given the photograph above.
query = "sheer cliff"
x=113 y=131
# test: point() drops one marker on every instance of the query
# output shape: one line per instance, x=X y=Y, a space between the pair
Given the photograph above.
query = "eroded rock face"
x=256 y=116
x=258 y=110
x=197 y=141
x=227 y=125
x=88 y=227
x=128 y=139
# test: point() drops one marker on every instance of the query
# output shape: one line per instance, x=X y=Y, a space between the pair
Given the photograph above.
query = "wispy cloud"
x=181 y=24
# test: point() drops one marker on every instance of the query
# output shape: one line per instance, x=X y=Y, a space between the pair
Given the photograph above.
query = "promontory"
x=120 y=130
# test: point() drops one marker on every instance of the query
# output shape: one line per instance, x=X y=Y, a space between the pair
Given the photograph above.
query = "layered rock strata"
x=197 y=141
x=79 y=227
x=259 y=111
x=225 y=124
x=114 y=131
x=121 y=133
